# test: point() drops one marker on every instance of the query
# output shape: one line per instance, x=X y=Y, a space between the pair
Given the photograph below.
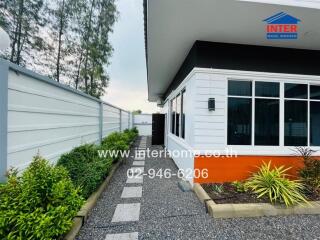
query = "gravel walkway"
x=168 y=213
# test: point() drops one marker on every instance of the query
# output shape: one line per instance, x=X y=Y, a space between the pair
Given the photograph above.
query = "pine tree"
x=22 y=19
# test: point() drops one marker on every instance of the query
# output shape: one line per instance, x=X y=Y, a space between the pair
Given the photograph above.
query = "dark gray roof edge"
x=48 y=80
x=145 y=17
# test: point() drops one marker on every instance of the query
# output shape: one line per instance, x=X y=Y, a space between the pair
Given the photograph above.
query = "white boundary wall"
x=143 y=122
x=39 y=115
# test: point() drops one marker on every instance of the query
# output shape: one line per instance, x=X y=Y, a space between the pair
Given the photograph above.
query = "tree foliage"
x=68 y=40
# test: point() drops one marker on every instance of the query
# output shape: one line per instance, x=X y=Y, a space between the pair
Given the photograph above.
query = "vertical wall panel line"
x=120 y=120
x=100 y=122
x=4 y=72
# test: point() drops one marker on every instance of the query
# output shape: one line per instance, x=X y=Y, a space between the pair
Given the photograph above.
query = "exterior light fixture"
x=211 y=104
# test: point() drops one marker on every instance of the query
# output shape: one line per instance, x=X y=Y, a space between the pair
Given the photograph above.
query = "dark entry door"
x=158 y=121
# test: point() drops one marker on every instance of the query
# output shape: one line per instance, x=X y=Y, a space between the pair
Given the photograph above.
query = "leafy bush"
x=119 y=142
x=310 y=173
x=239 y=186
x=132 y=133
x=274 y=184
x=39 y=204
x=86 y=168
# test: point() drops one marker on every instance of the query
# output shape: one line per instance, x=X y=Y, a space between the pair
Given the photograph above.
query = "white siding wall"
x=143 y=122
x=210 y=127
x=207 y=130
x=183 y=161
x=48 y=119
x=174 y=143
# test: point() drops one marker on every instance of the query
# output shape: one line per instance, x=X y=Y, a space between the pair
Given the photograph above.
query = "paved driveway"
x=162 y=211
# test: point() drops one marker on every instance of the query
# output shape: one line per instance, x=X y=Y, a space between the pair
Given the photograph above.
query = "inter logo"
x=282 y=26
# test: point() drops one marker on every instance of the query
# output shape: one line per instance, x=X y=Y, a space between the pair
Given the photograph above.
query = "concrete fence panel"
x=41 y=116
x=143 y=122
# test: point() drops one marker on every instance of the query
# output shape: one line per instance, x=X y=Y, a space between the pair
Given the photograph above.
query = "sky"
x=128 y=75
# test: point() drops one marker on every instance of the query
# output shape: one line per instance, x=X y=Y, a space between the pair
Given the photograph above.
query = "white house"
x=235 y=75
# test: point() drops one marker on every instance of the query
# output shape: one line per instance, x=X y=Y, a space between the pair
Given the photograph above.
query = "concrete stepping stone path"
x=127 y=212
x=123 y=236
x=131 y=192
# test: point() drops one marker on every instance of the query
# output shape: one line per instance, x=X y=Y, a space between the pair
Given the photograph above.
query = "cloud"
x=128 y=74
x=128 y=98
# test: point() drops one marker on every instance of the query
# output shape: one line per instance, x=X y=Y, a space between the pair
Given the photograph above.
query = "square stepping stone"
x=126 y=212
x=136 y=170
x=131 y=192
x=142 y=158
x=138 y=163
x=123 y=236
x=135 y=179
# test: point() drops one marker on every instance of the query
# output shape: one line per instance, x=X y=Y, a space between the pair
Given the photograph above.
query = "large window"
x=301 y=105
x=296 y=115
x=239 y=112
x=267 y=108
x=177 y=110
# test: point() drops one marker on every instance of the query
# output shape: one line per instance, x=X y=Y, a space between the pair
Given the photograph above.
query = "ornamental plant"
x=310 y=173
x=274 y=184
x=39 y=204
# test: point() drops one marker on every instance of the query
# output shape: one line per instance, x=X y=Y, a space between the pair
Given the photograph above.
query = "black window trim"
x=174 y=98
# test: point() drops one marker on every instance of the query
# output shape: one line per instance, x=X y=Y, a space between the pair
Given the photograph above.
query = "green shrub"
x=39 y=204
x=310 y=173
x=218 y=188
x=118 y=142
x=132 y=133
x=86 y=168
x=274 y=184
x=239 y=186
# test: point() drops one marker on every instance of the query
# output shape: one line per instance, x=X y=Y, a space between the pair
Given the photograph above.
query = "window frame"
x=182 y=108
x=307 y=100
x=281 y=99
x=254 y=111
x=309 y=111
x=237 y=96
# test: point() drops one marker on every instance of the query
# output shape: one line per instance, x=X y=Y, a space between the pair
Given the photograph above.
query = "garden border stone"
x=252 y=209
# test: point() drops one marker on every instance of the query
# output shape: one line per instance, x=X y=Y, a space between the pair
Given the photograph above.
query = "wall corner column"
x=120 y=120
x=4 y=75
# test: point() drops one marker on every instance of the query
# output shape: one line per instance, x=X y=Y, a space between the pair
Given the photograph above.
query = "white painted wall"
x=49 y=119
x=207 y=130
x=143 y=122
x=177 y=144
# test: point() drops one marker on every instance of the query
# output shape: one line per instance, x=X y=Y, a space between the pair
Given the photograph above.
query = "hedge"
x=39 y=204
x=87 y=169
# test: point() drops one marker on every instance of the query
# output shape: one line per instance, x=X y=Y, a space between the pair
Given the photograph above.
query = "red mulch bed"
x=230 y=195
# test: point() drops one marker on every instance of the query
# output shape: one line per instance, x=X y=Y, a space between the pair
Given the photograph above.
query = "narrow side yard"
x=165 y=212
